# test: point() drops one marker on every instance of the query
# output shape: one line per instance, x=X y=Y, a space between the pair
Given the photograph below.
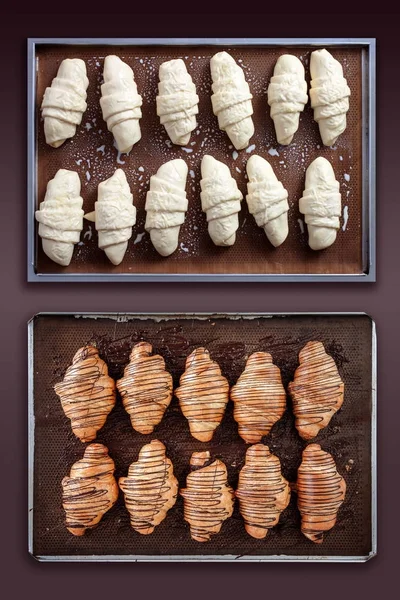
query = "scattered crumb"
x=250 y=148
x=141 y=169
x=88 y=234
x=301 y=225
x=273 y=152
x=345 y=217
x=101 y=149
x=139 y=237
x=87 y=175
x=191 y=173
x=234 y=155
x=346 y=176
x=88 y=126
x=188 y=150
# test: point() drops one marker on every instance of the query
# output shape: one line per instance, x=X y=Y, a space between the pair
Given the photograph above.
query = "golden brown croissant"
x=90 y=490
x=87 y=393
x=150 y=489
x=321 y=491
x=203 y=394
x=145 y=388
x=317 y=390
x=262 y=491
x=208 y=499
x=259 y=397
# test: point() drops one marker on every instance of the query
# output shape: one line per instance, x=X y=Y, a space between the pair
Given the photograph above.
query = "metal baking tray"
x=351 y=436
x=91 y=153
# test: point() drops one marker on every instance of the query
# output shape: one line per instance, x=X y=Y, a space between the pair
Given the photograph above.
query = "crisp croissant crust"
x=329 y=95
x=321 y=491
x=263 y=492
x=317 y=390
x=145 y=388
x=87 y=393
x=114 y=215
x=203 y=394
x=208 y=499
x=177 y=101
x=231 y=99
x=287 y=96
x=150 y=489
x=90 y=490
x=64 y=102
x=166 y=204
x=259 y=397
x=220 y=199
x=120 y=103
x=321 y=204
x=60 y=216
x=267 y=200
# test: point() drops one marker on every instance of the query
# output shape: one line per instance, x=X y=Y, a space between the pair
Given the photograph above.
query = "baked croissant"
x=177 y=101
x=287 y=96
x=231 y=99
x=329 y=94
x=64 y=102
x=114 y=216
x=317 y=390
x=203 y=394
x=166 y=204
x=208 y=499
x=120 y=103
x=150 y=489
x=259 y=397
x=267 y=200
x=321 y=204
x=60 y=216
x=87 y=393
x=220 y=199
x=320 y=490
x=90 y=490
x=263 y=492
x=145 y=388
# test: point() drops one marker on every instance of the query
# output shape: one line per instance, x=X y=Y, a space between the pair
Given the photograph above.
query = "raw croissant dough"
x=177 y=101
x=329 y=94
x=220 y=199
x=287 y=96
x=231 y=99
x=166 y=204
x=321 y=204
x=87 y=393
x=60 y=216
x=90 y=490
x=120 y=103
x=114 y=216
x=267 y=200
x=150 y=489
x=64 y=102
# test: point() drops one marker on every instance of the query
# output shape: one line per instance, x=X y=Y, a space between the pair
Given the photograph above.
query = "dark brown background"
x=24 y=577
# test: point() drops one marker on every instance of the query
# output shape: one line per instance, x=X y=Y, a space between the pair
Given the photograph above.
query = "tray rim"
x=123 y=316
x=368 y=154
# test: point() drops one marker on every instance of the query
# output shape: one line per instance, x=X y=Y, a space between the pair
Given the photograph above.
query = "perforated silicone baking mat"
x=230 y=339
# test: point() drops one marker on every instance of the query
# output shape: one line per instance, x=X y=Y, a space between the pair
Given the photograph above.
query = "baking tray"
x=350 y=437
x=92 y=154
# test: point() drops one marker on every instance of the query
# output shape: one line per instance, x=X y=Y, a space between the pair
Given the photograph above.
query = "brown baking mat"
x=347 y=338
x=91 y=153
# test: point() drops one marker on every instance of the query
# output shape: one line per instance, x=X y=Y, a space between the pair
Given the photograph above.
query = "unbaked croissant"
x=321 y=204
x=90 y=490
x=329 y=94
x=177 y=101
x=166 y=204
x=287 y=96
x=120 y=103
x=203 y=394
x=87 y=393
x=263 y=492
x=320 y=490
x=64 y=102
x=145 y=388
x=208 y=499
x=259 y=397
x=267 y=199
x=231 y=99
x=150 y=489
x=114 y=216
x=317 y=390
x=220 y=199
